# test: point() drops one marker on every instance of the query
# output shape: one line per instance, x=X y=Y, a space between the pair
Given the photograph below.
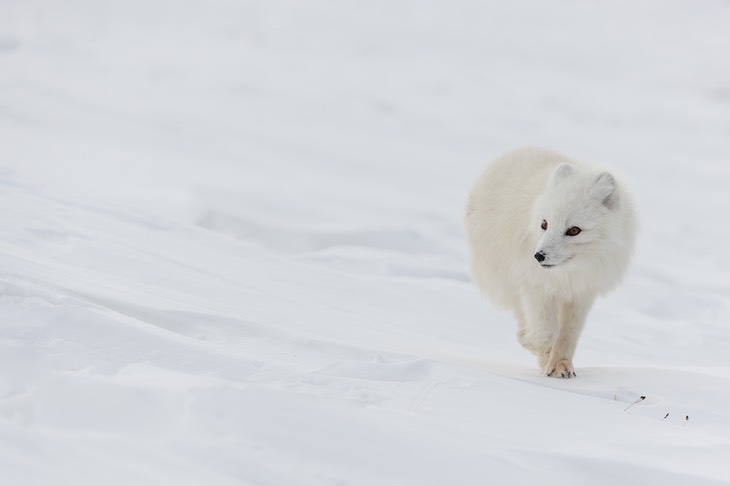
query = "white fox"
x=546 y=236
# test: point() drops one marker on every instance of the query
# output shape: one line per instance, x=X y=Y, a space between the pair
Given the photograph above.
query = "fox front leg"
x=572 y=318
x=538 y=326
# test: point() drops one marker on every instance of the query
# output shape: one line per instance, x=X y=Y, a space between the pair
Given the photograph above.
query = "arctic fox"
x=546 y=236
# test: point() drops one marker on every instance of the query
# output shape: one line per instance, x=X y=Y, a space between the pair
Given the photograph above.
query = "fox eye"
x=544 y=225
x=574 y=231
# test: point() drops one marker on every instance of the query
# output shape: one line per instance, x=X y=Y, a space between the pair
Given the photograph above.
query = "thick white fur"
x=550 y=300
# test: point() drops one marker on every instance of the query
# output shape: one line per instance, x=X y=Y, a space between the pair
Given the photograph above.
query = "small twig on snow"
x=642 y=397
x=667 y=415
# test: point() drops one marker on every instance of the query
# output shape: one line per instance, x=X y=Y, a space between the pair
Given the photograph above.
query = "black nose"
x=540 y=256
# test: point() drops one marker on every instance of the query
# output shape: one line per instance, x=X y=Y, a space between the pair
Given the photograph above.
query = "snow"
x=231 y=248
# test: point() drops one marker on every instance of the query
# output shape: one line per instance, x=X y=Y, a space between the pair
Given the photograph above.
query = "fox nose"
x=540 y=256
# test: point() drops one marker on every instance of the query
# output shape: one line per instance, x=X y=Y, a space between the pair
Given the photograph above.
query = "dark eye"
x=574 y=231
x=544 y=224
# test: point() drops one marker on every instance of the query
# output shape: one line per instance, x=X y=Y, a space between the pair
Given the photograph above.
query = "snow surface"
x=231 y=248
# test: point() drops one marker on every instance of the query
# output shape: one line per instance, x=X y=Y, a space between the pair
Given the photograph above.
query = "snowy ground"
x=231 y=247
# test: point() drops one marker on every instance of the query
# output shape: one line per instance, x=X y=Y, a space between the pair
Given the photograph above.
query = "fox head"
x=573 y=214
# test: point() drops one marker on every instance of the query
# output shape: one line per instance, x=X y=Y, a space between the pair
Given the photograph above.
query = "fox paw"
x=561 y=369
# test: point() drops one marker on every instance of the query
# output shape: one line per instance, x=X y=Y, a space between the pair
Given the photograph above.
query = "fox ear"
x=561 y=172
x=604 y=189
